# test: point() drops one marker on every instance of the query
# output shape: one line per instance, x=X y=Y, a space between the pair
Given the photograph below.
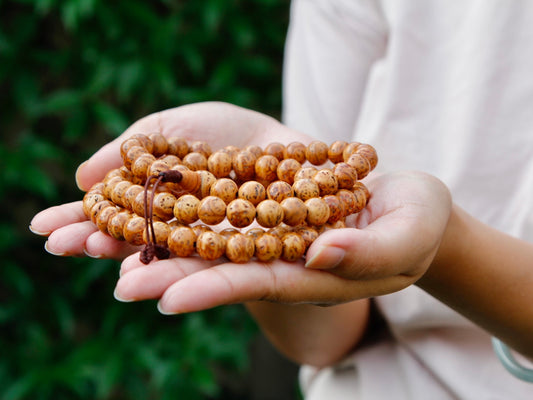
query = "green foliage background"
x=73 y=75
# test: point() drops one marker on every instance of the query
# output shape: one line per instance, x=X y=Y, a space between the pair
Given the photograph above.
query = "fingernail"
x=35 y=231
x=52 y=252
x=327 y=257
x=92 y=255
x=164 y=312
x=117 y=297
x=77 y=173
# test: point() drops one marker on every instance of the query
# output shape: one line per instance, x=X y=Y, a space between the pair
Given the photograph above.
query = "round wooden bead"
x=145 y=141
x=361 y=186
x=110 y=184
x=95 y=209
x=360 y=199
x=240 y=248
x=293 y=247
x=89 y=200
x=224 y=188
x=161 y=231
x=269 y=213
x=117 y=193
x=240 y=213
x=201 y=228
x=306 y=189
x=266 y=168
x=317 y=152
x=210 y=245
x=103 y=216
x=346 y=175
x=348 y=200
x=275 y=149
x=268 y=247
x=138 y=205
x=317 y=211
x=160 y=144
x=255 y=150
x=228 y=232
x=195 y=161
x=336 y=208
x=231 y=150
x=115 y=224
x=349 y=149
x=280 y=230
x=141 y=165
x=182 y=241
x=163 y=205
x=244 y=165
x=128 y=144
x=296 y=151
x=360 y=163
x=178 y=146
x=202 y=147
x=287 y=170
x=294 y=211
x=219 y=164
x=279 y=191
x=305 y=173
x=207 y=179
x=335 y=151
x=158 y=166
x=186 y=209
x=132 y=154
x=326 y=181
x=369 y=152
x=133 y=230
x=255 y=232
x=308 y=234
x=212 y=210
x=130 y=194
x=252 y=191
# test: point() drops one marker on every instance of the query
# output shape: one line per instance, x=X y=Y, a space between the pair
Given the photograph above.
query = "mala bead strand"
x=280 y=188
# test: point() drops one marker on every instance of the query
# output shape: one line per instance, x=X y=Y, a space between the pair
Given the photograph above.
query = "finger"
x=70 y=240
x=100 y=245
x=47 y=221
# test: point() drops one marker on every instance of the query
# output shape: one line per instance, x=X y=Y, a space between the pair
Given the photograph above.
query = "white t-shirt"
x=442 y=86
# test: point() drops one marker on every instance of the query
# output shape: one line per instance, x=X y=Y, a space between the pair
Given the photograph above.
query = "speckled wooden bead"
x=296 y=151
x=102 y=217
x=336 y=208
x=294 y=211
x=210 y=245
x=255 y=232
x=326 y=181
x=306 y=189
x=178 y=146
x=141 y=165
x=138 y=202
x=336 y=225
x=240 y=248
x=195 y=161
x=361 y=186
x=161 y=231
x=145 y=141
x=346 y=175
x=160 y=144
x=118 y=191
x=182 y=241
x=201 y=228
x=158 y=166
x=115 y=224
x=293 y=247
x=269 y=213
x=240 y=213
x=95 y=209
x=130 y=194
x=134 y=229
x=287 y=170
x=211 y=210
x=186 y=209
x=219 y=164
x=227 y=232
x=317 y=211
x=224 y=188
x=231 y=150
x=132 y=154
x=317 y=152
x=360 y=199
x=244 y=165
x=110 y=184
x=255 y=150
x=280 y=230
x=163 y=205
x=307 y=233
x=360 y=163
x=349 y=149
x=89 y=200
x=200 y=146
x=305 y=173
x=348 y=199
x=335 y=151
x=207 y=179
x=370 y=153
x=275 y=149
x=279 y=191
x=268 y=247
x=128 y=144
x=266 y=168
x=252 y=191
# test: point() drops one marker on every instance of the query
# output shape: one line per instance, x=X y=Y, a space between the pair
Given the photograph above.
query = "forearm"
x=309 y=334
x=487 y=276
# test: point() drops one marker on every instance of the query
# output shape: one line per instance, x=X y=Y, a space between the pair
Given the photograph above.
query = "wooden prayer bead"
x=132 y=154
x=361 y=186
x=130 y=194
x=307 y=233
x=296 y=151
x=118 y=191
x=293 y=247
x=360 y=163
x=252 y=191
x=255 y=150
x=157 y=167
x=102 y=217
x=326 y=181
x=306 y=189
x=269 y=213
x=210 y=245
x=219 y=164
x=335 y=151
x=178 y=146
x=305 y=173
x=186 y=209
x=294 y=211
x=110 y=184
x=336 y=208
x=145 y=142
x=266 y=168
x=207 y=179
x=201 y=228
x=138 y=202
x=160 y=144
x=360 y=199
x=200 y=146
x=89 y=200
x=255 y=232
x=182 y=241
x=346 y=175
x=163 y=205
x=275 y=149
x=141 y=165
x=128 y=144
x=317 y=211
x=115 y=224
x=240 y=248
x=133 y=231
x=240 y=213
x=224 y=188
x=161 y=231
x=212 y=210
x=228 y=232
x=317 y=152
x=287 y=170
x=95 y=209
x=349 y=150
x=244 y=165
x=268 y=247
x=279 y=191
x=369 y=152
x=195 y=161
x=348 y=199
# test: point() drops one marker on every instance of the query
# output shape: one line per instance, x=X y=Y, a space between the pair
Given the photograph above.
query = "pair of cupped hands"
x=385 y=248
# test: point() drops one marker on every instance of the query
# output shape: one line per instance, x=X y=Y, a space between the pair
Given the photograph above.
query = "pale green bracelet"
x=510 y=363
